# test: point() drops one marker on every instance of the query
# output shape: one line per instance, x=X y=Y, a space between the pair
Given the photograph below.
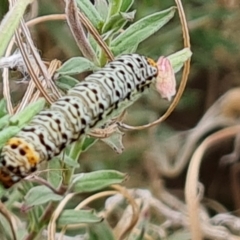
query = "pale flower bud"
x=166 y=82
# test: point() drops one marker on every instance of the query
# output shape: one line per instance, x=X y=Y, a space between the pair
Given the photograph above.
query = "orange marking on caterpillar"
x=152 y=62
x=24 y=149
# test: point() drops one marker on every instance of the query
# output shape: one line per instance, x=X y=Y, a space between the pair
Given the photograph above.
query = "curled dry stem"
x=135 y=210
x=191 y=188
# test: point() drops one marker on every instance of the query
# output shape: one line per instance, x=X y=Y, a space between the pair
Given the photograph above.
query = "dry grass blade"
x=191 y=188
x=7 y=215
x=6 y=88
x=183 y=82
x=135 y=210
x=56 y=214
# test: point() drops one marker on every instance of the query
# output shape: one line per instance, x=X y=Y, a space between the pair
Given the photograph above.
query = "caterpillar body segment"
x=101 y=96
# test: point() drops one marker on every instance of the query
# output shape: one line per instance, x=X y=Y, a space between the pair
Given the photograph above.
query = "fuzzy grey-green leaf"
x=126 y=5
x=40 y=195
x=100 y=231
x=90 y=12
x=8 y=133
x=66 y=82
x=93 y=181
x=3 y=108
x=70 y=216
x=102 y=8
x=76 y=65
x=177 y=59
x=27 y=113
x=129 y=40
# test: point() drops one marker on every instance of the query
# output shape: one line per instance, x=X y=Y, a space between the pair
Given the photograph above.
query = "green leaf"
x=4 y=121
x=54 y=175
x=128 y=41
x=114 y=141
x=10 y=23
x=100 y=231
x=77 y=65
x=118 y=21
x=89 y=141
x=91 y=13
x=70 y=162
x=179 y=58
x=8 y=133
x=126 y=5
x=3 y=108
x=115 y=22
x=77 y=216
x=66 y=82
x=40 y=195
x=102 y=8
x=114 y=7
x=89 y=182
x=28 y=113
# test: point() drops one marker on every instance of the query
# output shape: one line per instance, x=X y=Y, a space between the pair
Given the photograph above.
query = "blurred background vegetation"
x=215 y=33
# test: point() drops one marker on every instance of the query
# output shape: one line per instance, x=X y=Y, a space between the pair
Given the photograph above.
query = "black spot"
x=94 y=91
x=66 y=99
x=122 y=72
x=10 y=168
x=76 y=106
x=83 y=121
x=64 y=136
x=116 y=105
x=101 y=106
x=128 y=96
x=100 y=116
x=130 y=65
x=62 y=146
x=13 y=146
x=33 y=168
x=111 y=79
x=22 y=152
x=82 y=131
x=117 y=93
x=48 y=114
x=129 y=86
x=3 y=162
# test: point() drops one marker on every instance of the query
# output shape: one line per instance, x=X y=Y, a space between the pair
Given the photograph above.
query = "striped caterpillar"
x=101 y=96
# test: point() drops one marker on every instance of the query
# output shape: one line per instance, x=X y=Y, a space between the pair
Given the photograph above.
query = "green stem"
x=74 y=154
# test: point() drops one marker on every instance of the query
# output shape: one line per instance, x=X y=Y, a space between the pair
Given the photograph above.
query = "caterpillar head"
x=17 y=160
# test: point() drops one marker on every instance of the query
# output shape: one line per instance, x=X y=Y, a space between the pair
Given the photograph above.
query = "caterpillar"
x=101 y=96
